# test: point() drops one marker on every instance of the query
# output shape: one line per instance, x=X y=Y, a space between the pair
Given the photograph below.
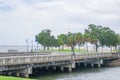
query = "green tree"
x=71 y=40
x=118 y=35
x=115 y=40
x=94 y=31
x=59 y=41
x=44 y=38
x=62 y=40
x=109 y=38
x=105 y=36
x=54 y=42
x=86 y=39
x=79 y=39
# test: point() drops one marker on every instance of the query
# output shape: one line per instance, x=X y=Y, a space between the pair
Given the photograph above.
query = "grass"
x=65 y=50
x=69 y=50
x=13 y=78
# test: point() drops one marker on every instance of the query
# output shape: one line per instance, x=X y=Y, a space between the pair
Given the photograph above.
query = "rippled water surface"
x=112 y=73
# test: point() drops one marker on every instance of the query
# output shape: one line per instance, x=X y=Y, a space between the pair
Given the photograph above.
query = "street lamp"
x=37 y=46
x=32 y=45
x=36 y=40
x=27 y=44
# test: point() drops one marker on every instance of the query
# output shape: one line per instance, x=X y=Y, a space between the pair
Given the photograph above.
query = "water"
x=22 y=48
x=112 y=73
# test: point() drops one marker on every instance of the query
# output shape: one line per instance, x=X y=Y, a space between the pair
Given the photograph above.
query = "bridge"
x=23 y=63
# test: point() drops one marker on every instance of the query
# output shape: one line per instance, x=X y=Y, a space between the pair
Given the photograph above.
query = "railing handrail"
x=9 y=60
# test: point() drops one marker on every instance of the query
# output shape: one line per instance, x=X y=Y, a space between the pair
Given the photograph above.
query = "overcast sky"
x=21 y=19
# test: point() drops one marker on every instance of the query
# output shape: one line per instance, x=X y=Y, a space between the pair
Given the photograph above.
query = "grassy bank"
x=65 y=50
x=13 y=78
x=69 y=50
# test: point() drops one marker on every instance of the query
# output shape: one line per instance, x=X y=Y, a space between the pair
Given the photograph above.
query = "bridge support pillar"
x=54 y=68
x=92 y=65
x=99 y=65
x=70 y=69
x=78 y=64
x=85 y=64
x=73 y=64
x=26 y=75
x=100 y=61
x=9 y=73
x=47 y=67
x=17 y=74
x=68 y=66
x=26 y=72
x=62 y=69
x=0 y=72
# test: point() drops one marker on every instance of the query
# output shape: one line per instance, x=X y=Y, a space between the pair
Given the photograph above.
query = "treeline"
x=94 y=34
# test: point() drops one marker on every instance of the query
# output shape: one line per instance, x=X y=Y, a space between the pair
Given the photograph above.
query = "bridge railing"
x=22 y=54
x=95 y=55
x=33 y=59
x=17 y=60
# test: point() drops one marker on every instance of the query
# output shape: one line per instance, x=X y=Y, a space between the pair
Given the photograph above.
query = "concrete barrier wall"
x=31 y=59
x=16 y=60
x=95 y=55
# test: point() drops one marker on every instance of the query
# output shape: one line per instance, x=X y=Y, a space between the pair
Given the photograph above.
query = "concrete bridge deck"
x=24 y=62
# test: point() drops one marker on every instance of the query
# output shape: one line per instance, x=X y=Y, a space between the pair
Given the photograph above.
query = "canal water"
x=109 y=73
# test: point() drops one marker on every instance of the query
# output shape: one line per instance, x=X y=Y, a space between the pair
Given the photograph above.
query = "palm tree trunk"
x=63 y=47
x=86 y=46
x=79 y=47
x=48 y=48
x=111 y=49
x=44 y=48
x=72 y=49
x=59 y=48
x=102 y=49
x=93 y=49
x=52 y=49
x=115 y=48
x=96 y=47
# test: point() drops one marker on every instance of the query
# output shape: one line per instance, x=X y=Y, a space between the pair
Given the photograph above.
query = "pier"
x=23 y=62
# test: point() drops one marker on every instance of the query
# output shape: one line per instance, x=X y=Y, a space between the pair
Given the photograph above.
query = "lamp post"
x=36 y=40
x=32 y=45
x=37 y=46
x=27 y=44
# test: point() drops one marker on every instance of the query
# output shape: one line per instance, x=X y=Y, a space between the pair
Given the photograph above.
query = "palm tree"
x=44 y=38
x=79 y=39
x=86 y=39
x=71 y=40
x=95 y=34
x=94 y=40
x=62 y=40
x=54 y=42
